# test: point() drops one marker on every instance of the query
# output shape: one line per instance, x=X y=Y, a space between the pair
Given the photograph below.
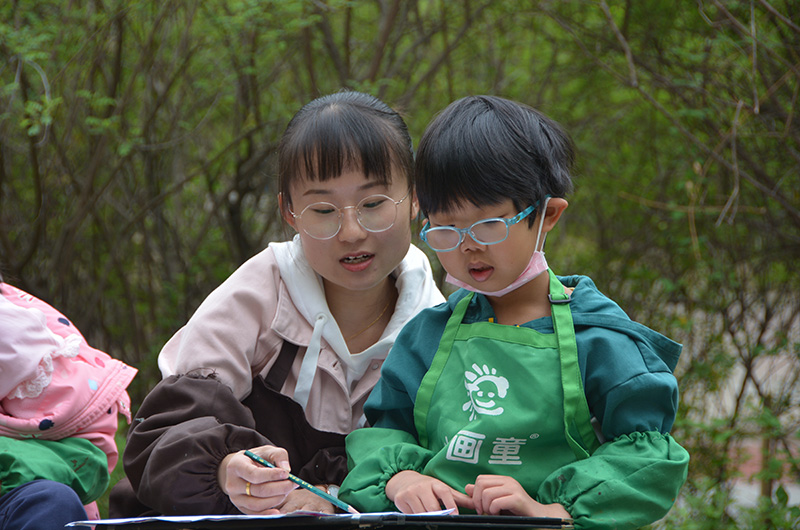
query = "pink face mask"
x=536 y=266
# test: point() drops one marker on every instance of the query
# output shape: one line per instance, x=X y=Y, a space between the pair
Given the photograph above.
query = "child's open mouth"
x=480 y=273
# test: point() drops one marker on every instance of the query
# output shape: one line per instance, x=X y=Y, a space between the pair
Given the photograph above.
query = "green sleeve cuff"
x=76 y=462
x=375 y=455
x=627 y=483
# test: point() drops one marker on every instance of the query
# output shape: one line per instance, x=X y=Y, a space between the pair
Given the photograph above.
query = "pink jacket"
x=53 y=385
x=238 y=330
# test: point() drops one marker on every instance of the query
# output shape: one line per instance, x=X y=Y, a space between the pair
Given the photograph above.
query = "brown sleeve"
x=183 y=429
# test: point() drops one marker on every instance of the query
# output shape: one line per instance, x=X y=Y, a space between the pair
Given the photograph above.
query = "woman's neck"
x=362 y=316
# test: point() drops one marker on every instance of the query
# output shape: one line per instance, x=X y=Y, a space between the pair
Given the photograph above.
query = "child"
x=488 y=402
x=59 y=400
x=296 y=336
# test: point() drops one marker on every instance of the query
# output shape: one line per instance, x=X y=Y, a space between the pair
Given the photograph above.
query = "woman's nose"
x=351 y=229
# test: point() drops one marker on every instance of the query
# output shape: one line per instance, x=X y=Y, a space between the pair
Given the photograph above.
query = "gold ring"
x=247 y=489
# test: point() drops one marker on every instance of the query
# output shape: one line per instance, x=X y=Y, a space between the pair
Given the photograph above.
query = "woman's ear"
x=552 y=213
x=414 y=206
x=283 y=206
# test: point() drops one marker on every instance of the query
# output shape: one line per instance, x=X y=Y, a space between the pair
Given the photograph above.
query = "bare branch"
x=632 y=80
x=388 y=22
x=778 y=15
x=735 y=192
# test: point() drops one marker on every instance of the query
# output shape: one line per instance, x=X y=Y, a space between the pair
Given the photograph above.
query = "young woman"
x=281 y=357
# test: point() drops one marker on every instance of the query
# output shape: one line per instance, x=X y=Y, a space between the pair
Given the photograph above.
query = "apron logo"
x=483 y=386
x=465 y=447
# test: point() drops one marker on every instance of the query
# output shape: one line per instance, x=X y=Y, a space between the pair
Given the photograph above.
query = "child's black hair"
x=486 y=149
x=340 y=131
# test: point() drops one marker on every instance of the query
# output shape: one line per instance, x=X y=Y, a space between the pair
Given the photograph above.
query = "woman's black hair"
x=486 y=149
x=341 y=131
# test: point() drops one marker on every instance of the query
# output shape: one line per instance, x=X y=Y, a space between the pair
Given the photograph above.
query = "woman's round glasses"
x=485 y=232
x=323 y=220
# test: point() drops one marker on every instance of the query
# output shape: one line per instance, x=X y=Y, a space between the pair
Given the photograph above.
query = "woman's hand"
x=414 y=492
x=500 y=495
x=252 y=488
x=302 y=499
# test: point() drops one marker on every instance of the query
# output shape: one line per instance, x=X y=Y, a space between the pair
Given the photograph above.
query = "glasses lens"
x=377 y=213
x=490 y=231
x=442 y=238
x=320 y=220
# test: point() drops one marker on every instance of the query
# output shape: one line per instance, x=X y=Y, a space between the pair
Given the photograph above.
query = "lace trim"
x=33 y=387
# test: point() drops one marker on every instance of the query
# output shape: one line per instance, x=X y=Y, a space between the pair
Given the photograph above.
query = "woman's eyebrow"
x=326 y=191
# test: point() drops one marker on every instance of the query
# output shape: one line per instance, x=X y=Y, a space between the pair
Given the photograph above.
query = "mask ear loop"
x=541 y=225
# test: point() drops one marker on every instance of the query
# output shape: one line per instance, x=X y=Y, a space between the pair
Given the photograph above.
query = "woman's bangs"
x=332 y=146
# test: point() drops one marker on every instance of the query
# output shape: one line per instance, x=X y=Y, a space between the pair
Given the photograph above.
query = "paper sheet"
x=202 y=518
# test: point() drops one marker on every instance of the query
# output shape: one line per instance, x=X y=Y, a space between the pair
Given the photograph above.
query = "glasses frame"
x=340 y=214
x=462 y=232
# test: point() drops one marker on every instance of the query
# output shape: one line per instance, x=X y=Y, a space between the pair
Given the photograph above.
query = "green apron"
x=492 y=401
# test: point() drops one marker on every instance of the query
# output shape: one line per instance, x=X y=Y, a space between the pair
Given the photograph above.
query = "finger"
x=256 y=506
x=506 y=503
x=242 y=468
x=417 y=505
x=447 y=502
x=410 y=503
x=277 y=455
x=488 y=481
x=488 y=495
x=431 y=503
x=463 y=500
x=495 y=499
x=305 y=500
x=255 y=511
x=475 y=493
x=271 y=489
x=481 y=499
x=404 y=505
x=445 y=497
x=482 y=494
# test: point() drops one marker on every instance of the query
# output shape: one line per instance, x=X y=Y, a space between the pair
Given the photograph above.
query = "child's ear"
x=283 y=206
x=555 y=207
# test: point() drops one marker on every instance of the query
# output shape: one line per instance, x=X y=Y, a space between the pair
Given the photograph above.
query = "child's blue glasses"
x=485 y=232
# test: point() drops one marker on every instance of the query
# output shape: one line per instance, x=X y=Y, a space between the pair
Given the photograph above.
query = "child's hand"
x=414 y=492
x=497 y=494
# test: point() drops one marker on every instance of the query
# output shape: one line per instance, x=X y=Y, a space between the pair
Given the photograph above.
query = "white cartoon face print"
x=484 y=388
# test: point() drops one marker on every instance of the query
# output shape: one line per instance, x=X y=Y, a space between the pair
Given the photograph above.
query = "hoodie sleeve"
x=182 y=431
x=231 y=330
x=627 y=483
x=634 y=477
